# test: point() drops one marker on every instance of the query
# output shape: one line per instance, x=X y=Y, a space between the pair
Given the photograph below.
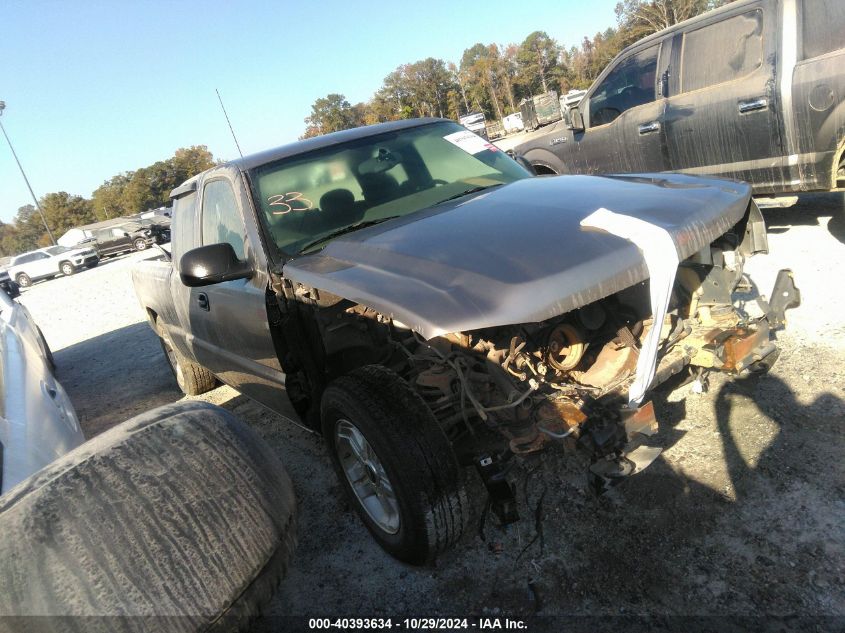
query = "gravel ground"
x=741 y=515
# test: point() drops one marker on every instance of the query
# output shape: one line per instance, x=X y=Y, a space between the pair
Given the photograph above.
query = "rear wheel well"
x=544 y=170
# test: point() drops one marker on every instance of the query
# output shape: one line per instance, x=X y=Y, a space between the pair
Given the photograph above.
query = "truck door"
x=723 y=113
x=623 y=119
x=228 y=321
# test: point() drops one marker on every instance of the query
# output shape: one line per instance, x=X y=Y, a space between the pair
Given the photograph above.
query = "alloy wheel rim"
x=366 y=476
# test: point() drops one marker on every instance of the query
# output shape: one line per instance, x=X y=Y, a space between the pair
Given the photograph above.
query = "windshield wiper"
x=468 y=192
x=344 y=230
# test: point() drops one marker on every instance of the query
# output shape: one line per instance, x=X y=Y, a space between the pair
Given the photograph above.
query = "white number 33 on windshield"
x=287 y=202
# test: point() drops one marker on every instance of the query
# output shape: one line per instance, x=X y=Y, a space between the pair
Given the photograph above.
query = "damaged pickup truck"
x=421 y=300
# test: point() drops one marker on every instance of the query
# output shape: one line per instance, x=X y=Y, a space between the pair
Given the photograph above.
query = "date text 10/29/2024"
x=418 y=624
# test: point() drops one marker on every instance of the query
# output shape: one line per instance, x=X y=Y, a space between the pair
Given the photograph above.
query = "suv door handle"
x=202 y=300
x=648 y=128
x=755 y=104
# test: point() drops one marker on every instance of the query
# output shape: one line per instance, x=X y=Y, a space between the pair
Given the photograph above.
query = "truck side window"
x=183 y=226
x=823 y=27
x=630 y=84
x=722 y=51
x=221 y=220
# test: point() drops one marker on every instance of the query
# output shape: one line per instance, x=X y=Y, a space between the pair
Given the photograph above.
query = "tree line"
x=494 y=78
x=125 y=194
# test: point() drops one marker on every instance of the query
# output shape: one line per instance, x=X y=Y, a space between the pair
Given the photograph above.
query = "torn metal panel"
x=517 y=253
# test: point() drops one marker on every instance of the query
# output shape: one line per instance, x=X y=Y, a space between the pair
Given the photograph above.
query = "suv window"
x=221 y=220
x=823 y=27
x=630 y=84
x=722 y=51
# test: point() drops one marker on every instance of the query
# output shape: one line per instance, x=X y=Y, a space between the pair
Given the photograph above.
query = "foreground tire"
x=193 y=379
x=395 y=464
x=67 y=269
x=23 y=280
x=140 y=245
x=181 y=519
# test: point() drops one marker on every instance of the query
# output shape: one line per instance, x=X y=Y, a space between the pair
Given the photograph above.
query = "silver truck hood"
x=516 y=254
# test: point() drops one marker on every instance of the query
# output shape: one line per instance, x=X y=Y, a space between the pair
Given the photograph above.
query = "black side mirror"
x=14 y=290
x=212 y=264
x=576 y=120
x=525 y=163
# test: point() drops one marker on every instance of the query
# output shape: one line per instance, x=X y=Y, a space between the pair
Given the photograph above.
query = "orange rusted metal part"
x=612 y=365
x=741 y=347
x=641 y=420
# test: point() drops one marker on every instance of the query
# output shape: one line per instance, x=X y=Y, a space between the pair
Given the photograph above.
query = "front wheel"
x=140 y=244
x=23 y=280
x=67 y=269
x=395 y=464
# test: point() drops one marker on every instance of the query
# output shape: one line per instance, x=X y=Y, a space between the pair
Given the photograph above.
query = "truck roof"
x=308 y=145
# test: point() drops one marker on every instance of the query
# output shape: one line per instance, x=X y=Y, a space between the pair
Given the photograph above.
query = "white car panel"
x=37 y=420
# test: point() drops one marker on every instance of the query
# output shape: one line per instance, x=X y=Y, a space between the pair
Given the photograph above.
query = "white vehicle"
x=513 y=123
x=37 y=423
x=49 y=262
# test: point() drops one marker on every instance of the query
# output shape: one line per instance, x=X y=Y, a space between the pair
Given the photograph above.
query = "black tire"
x=67 y=269
x=23 y=280
x=192 y=516
x=93 y=264
x=192 y=379
x=140 y=244
x=48 y=353
x=415 y=454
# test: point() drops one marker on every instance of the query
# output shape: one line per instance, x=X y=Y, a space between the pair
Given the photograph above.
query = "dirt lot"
x=743 y=514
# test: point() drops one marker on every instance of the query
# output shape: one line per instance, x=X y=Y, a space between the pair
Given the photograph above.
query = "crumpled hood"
x=516 y=254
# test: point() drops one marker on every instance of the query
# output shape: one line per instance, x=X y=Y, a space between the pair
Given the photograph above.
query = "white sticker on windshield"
x=470 y=143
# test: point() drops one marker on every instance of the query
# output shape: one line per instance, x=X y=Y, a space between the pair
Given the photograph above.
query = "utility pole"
x=26 y=180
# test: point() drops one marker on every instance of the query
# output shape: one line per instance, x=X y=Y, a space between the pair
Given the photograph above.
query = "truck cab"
x=751 y=91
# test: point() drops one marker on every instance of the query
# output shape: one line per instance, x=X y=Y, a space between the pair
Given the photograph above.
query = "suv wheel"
x=140 y=244
x=395 y=464
x=67 y=268
x=23 y=280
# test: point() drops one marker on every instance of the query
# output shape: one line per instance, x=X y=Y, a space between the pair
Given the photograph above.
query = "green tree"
x=480 y=63
x=107 y=199
x=537 y=58
x=64 y=211
x=330 y=114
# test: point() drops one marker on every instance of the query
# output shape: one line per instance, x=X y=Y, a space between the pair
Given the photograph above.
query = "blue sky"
x=94 y=88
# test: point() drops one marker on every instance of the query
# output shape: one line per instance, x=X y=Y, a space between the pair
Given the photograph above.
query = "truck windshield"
x=304 y=198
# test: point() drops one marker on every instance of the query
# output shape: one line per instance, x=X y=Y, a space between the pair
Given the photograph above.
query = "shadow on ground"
x=115 y=376
x=808 y=211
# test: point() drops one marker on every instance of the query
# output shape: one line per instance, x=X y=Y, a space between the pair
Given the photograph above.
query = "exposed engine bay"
x=565 y=380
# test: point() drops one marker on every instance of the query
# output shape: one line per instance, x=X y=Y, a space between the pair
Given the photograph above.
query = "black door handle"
x=202 y=300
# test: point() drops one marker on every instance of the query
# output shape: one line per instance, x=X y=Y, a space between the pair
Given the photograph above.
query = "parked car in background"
x=44 y=263
x=433 y=306
x=475 y=122
x=125 y=237
x=754 y=90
